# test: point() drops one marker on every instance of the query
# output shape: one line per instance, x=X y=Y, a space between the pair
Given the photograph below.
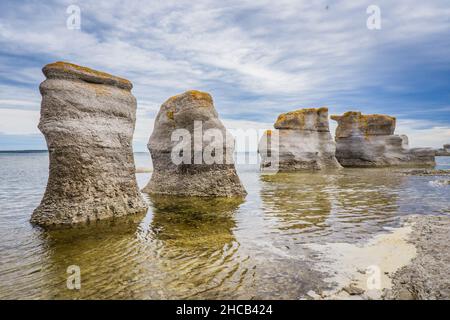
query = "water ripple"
x=194 y=248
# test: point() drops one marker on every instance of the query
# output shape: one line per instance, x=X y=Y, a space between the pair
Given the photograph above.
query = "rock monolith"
x=444 y=151
x=191 y=151
x=88 y=119
x=369 y=141
x=302 y=142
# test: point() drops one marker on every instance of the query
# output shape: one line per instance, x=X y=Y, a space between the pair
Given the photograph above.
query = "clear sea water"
x=195 y=248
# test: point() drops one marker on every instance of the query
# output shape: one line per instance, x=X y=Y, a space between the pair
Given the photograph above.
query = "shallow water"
x=185 y=248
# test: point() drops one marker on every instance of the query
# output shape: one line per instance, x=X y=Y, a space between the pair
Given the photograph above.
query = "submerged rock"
x=302 y=142
x=369 y=141
x=192 y=153
x=88 y=119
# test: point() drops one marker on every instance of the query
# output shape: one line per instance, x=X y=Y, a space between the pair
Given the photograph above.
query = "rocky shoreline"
x=412 y=262
x=426 y=277
x=426 y=172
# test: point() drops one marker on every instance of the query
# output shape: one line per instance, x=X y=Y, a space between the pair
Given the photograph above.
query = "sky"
x=257 y=58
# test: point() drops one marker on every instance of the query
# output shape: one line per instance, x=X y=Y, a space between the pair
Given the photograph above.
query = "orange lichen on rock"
x=355 y=123
x=183 y=113
x=170 y=114
x=302 y=141
x=191 y=94
x=369 y=141
x=62 y=69
x=199 y=95
x=311 y=119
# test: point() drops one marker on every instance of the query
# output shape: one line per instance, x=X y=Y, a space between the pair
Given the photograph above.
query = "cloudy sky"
x=257 y=59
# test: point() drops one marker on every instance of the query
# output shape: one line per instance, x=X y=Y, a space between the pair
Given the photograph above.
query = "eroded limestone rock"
x=88 y=119
x=426 y=276
x=369 y=141
x=194 y=114
x=444 y=151
x=302 y=142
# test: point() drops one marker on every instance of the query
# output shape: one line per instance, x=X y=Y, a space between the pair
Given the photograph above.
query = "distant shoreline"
x=45 y=151
x=23 y=151
x=41 y=151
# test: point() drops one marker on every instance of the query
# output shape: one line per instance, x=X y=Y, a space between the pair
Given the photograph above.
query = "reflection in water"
x=188 y=250
x=105 y=251
x=298 y=200
x=364 y=196
x=365 y=202
x=202 y=248
x=194 y=223
x=331 y=206
x=197 y=244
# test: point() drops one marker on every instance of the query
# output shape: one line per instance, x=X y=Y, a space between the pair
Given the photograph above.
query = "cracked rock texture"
x=88 y=119
x=304 y=142
x=369 y=141
x=194 y=176
x=426 y=277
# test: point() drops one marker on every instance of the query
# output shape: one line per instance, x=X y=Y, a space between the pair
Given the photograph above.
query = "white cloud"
x=424 y=133
x=258 y=58
x=17 y=122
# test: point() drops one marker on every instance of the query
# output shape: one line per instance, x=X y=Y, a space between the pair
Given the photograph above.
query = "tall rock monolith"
x=369 y=141
x=192 y=152
x=302 y=141
x=88 y=119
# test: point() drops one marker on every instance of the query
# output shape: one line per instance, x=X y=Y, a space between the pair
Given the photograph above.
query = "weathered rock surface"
x=444 y=152
x=369 y=141
x=302 y=142
x=88 y=119
x=194 y=177
x=426 y=277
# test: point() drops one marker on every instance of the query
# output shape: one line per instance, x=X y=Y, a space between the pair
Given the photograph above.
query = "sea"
x=190 y=248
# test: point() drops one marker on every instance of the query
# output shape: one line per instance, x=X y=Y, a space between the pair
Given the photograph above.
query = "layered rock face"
x=88 y=119
x=303 y=142
x=191 y=151
x=444 y=152
x=369 y=141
